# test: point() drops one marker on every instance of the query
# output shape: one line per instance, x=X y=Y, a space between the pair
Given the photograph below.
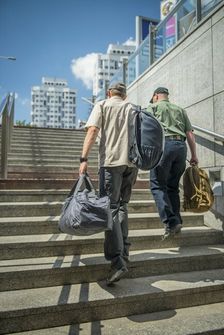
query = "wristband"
x=83 y=159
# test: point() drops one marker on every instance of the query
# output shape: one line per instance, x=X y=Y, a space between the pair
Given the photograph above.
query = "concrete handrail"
x=2 y=106
x=7 y=115
x=216 y=136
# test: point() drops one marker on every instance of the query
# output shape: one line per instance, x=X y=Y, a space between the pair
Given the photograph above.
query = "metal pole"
x=138 y=37
x=124 y=70
x=198 y=10
x=11 y=118
x=8 y=57
x=4 y=145
x=151 y=44
x=87 y=100
x=106 y=88
x=7 y=126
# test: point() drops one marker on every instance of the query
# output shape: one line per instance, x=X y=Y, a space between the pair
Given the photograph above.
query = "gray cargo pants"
x=117 y=182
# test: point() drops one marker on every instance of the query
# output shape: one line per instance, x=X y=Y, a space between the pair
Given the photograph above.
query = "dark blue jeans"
x=164 y=182
x=117 y=183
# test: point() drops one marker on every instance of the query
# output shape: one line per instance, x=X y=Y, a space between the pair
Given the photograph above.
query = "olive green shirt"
x=173 y=118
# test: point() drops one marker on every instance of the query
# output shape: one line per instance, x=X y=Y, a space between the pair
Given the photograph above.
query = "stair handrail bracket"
x=7 y=121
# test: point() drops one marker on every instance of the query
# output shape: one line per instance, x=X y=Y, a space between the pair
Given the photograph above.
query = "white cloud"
x=25 y=102
x=84 y=68
x=130 y=41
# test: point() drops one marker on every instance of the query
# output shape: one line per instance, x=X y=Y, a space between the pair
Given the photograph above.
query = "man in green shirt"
x=165 y=177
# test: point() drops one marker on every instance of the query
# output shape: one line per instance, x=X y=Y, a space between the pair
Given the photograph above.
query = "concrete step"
x=19 y=129
x=48 y=132
x=40 y=174
x=42 y=169
x=73 y=269
x=49 y=145
x=60 y=305
x=28 y=246
x=51 y=150
x=28 y=147
x=46 y=161
x=59 y=183
x=48 y=153
x=46 y=136
x=35 y=142
x=53 y=173
x=49 y=225
x=42 y=136
x=143 y=174
x=15 y=209
x=198 y=320
x=53 y=195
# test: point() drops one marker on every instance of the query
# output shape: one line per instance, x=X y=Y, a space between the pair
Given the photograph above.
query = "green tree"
x=22 y=123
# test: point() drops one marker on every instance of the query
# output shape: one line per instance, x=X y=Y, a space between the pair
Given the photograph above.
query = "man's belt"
x=175 y=138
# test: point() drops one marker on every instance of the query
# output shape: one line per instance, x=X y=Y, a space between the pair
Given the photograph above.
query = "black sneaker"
x=115 y=275
x=170 y=232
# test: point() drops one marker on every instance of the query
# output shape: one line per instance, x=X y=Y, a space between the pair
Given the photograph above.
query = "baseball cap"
x=120 y=87
x=158 y=90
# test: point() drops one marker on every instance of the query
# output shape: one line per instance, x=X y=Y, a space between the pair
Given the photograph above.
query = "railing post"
x=4 y=144
x=151 y=43
x=106 y=88
x=7 y=113
x=198 y=10
x=124 y=70
x=11 y=118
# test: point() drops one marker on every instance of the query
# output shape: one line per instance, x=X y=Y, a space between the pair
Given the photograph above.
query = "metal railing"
x=216 y=136
x=7 y=121
x=181 y=20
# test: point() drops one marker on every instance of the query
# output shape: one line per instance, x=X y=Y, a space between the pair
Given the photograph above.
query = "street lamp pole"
x=8 y=57
x=87 y=100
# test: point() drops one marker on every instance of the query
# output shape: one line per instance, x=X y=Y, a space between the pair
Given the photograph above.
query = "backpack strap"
x=154 y=109
x=136 y=128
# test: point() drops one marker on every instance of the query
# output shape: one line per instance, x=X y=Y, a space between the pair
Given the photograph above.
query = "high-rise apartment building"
x=108 y=64
x=53 y=104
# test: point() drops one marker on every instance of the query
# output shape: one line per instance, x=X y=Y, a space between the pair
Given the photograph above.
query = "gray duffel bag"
x=84 y=212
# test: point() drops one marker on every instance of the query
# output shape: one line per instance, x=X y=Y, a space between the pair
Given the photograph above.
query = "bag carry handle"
x=199 y=192
x=88 y=181
x=83 y=178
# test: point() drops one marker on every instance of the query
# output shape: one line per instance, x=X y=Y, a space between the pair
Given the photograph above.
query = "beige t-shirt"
x=114 y=118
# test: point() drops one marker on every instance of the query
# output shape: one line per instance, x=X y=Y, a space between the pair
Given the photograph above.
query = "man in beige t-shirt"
x=112 y=120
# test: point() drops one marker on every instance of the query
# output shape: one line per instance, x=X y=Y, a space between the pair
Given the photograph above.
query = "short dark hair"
x=119 y=88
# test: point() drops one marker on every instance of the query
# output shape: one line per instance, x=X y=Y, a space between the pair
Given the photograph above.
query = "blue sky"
x=48 y=36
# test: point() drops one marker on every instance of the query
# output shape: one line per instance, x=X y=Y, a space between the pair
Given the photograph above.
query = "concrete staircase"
x=37 y=153
x=52 y=283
